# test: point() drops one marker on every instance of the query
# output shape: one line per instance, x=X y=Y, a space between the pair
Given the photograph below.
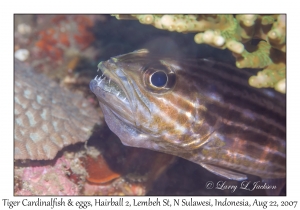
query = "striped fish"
x=200 y=110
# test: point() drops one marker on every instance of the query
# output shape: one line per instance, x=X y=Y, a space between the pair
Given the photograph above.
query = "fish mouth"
x=109 y=88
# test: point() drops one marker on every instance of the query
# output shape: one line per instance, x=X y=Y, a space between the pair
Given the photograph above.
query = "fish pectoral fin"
x=224 y=172
x=195 y=142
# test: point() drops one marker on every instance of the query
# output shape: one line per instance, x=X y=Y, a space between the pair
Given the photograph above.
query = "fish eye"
x=159 y=79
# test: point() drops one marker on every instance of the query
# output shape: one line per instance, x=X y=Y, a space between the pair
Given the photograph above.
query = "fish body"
x=200 y=110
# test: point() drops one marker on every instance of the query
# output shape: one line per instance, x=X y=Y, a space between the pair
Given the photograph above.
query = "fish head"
x=134 y=93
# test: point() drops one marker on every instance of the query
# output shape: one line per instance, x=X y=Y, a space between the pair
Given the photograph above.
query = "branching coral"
x=236 y=33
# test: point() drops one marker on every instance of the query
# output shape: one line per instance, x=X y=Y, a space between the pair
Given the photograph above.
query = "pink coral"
x=47 y=180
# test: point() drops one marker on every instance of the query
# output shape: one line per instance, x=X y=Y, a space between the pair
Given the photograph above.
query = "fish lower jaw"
x=111 y=115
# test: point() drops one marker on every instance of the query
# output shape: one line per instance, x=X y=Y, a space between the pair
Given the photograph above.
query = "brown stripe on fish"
x=244 y=122
x=244 y=112
x=251 y=157
x=238 y=154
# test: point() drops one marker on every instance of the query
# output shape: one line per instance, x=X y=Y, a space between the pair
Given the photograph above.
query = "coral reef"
x=236 y=33
x=48 y=117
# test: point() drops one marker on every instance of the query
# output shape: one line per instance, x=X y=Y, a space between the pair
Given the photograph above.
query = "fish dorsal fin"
x=224 y=172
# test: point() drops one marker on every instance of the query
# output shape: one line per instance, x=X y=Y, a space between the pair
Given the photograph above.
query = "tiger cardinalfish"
x=200 y=110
